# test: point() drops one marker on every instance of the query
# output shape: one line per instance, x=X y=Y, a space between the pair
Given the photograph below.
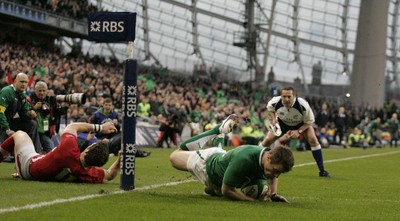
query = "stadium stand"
x=31 y=50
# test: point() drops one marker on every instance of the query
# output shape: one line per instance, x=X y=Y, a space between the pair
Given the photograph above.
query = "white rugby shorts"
x=196 y=163
x=23 y=155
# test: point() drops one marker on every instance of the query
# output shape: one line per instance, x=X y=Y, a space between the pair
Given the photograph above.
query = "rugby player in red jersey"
x=65 y=162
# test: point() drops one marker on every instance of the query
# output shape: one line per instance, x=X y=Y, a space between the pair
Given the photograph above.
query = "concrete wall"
x=368 y=75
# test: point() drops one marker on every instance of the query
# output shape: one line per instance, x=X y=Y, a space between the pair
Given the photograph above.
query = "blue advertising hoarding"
x=112 y=26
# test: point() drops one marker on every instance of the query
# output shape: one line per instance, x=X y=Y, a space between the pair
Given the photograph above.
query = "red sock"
x=8 y=145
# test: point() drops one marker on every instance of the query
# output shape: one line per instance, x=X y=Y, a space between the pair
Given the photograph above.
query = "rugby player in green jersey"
x=224 y=173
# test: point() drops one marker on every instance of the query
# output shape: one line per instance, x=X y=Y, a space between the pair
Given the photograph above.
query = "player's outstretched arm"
x=273 y=186
x=272 y=193
x=234 y=194
x=105 y=128
x=112 y=172
x=273 y=117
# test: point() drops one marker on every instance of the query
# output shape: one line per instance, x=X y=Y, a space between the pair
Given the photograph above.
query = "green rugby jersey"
x=237 y=166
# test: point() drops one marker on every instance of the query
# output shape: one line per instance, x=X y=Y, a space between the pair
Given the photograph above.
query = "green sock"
x=197 y=142
x=219 y=142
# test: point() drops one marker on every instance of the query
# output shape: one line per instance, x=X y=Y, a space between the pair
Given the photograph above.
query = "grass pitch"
x=365 y=185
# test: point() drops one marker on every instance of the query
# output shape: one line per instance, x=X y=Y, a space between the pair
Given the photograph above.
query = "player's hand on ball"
x=278 y=198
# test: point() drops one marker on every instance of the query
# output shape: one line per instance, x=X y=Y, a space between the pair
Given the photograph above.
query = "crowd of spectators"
x=164 y=94
x=193 y=100
x=64 y=74
x=67 y=8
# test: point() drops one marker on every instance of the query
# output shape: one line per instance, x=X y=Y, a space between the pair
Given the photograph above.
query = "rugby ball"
x=275 y=129
x=256 y=189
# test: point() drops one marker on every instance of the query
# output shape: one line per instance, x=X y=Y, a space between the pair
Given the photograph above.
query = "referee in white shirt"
x=295 y=118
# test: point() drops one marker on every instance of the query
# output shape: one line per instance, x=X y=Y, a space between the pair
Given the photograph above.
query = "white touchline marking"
x=91 y=196
x=350 y=158
x=80 y=198
x=341 y=199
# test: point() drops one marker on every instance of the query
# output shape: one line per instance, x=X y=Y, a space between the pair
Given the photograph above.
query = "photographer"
x=48 y=113
x=168 y=130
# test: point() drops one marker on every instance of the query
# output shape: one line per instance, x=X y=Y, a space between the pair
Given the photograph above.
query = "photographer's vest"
x=144 y=109
x=44 y=121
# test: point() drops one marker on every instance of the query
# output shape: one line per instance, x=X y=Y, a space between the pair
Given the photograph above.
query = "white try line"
x=91 y=196
x=349 y=158
x=367 y=200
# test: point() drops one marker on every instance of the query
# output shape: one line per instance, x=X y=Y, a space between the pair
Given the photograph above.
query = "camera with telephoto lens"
x=75 y=98
x=45 y=109
x=45 y=106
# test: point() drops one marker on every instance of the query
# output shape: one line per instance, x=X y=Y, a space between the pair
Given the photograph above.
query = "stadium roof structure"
x=235 y=37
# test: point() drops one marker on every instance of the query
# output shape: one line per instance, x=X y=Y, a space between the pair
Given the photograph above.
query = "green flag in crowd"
x=41 y=71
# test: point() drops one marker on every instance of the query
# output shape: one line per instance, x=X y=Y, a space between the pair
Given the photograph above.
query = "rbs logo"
x=111 y=26
x=106 y=26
